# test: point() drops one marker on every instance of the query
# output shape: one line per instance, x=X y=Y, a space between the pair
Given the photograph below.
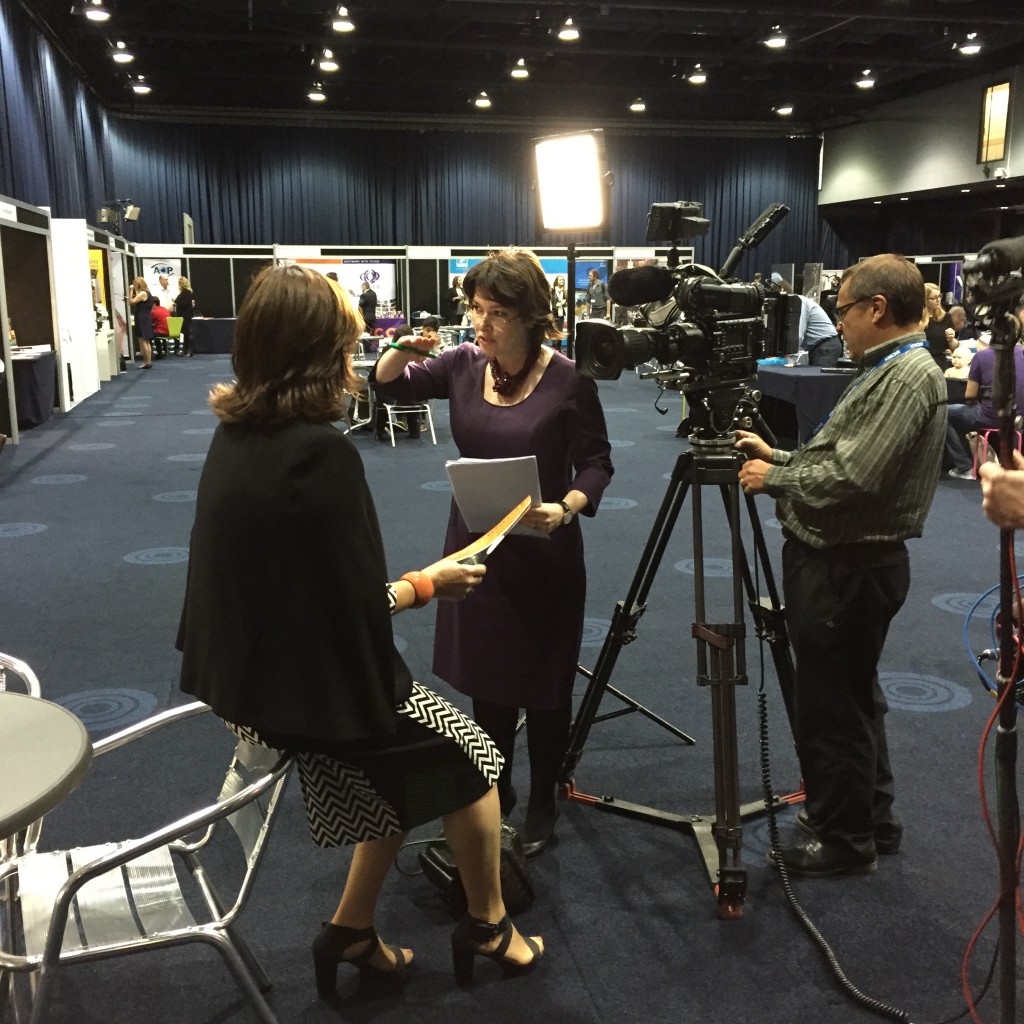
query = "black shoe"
x=539 y=828
x=812 y=859
x=887 y=836
x=472 y=933
x=329 y=950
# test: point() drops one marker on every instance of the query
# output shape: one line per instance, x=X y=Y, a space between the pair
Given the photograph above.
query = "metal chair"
x=396 y=409
x=26 y=840
x=125 y=897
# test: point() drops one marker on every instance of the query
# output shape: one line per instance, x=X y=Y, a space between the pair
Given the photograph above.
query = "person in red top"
x=160 y=315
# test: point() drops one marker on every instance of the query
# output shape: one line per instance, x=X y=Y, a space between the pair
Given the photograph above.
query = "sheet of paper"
x=485 y=489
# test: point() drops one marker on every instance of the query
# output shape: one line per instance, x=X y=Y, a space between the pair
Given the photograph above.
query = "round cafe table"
x=45 y=752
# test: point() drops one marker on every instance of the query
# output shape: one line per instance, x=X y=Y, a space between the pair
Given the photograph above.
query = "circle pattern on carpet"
x=157 y=556
x=911 y=692
x=105 y=710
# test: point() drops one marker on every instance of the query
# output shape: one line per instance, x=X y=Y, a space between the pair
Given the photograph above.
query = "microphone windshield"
x=638 y=285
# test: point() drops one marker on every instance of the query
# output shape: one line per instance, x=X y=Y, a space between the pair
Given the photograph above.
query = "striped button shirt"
x=870 y=472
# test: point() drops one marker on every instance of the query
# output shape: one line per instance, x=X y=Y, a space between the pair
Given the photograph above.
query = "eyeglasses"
x=499 y=317
x=842 y=310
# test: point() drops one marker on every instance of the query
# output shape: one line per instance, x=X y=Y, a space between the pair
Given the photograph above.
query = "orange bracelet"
x=422 y=584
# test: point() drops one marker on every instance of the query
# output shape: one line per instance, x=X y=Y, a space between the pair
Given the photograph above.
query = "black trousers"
x=839 y=604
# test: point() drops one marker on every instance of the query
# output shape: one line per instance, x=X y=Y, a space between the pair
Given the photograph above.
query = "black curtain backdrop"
x=257 y=184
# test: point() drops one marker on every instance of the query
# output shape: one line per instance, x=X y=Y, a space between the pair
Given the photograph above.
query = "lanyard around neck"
x=895 y=354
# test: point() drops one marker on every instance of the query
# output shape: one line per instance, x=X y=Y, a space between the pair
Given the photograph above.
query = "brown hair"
x=292 y=351
x=514 y=279
x=894 y=277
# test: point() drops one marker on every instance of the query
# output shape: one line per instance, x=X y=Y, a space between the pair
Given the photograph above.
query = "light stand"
x=992 y=283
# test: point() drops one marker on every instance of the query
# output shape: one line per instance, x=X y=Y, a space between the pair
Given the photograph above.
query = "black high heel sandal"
x=328 y=951
x=472 y=933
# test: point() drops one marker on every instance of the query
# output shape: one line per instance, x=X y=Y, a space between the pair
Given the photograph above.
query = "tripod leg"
x=627 y=613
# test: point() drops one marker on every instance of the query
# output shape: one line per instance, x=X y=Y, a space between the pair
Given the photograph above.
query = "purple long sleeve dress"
x=516 y=640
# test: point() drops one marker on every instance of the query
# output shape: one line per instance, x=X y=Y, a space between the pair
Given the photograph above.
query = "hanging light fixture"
x=698 y=76
x=327 y=62
x=483 y=101
x=519 y=69
x=316 y=93
x=865 y=81
x=121 y=54
x=568 y=33
x=139 y=86
x=775 y=39
x=342 y=22
x=95 y=11
x=971 y=46
x=638 y=106
x=783 y=109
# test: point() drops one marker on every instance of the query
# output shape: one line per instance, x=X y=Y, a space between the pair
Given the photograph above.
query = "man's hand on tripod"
x=757 y=451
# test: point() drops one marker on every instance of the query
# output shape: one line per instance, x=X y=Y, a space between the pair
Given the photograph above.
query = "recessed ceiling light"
x=1003 y=207
x=865 y=81
x=327 y=61
x=342 y=22
x=483 y=101
x=95 y=11
x=316 y=93
x=698 y=76
x=965 y=190
x=638 y=106
x=140 y=87
x=568 y=33
x=121 y=55
x=784 y=109
x=1000 y=184
x=519 y=69
x=878 y=202
x=775 y=39
x=904 y=199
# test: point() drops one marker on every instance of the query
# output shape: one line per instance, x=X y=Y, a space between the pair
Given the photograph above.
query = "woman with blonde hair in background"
x=938 y=327
x=141 y=302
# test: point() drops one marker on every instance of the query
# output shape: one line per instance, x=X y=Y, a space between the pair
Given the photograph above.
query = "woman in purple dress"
x=516 y=643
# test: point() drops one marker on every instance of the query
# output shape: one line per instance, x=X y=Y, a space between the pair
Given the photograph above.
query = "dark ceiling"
x=422 y=62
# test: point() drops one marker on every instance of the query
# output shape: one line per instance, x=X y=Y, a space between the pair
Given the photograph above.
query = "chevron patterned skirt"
x=440 y=760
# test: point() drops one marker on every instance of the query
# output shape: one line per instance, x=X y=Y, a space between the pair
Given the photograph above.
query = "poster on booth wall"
x=119 y=303
x=162 y=278
x=351 y=274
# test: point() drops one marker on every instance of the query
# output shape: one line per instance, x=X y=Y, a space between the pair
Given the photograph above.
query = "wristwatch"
x=567 y=517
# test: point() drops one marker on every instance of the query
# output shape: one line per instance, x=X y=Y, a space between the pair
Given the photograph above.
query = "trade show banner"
x=351 y=273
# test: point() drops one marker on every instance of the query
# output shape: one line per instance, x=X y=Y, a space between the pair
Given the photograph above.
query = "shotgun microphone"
x=998 y=258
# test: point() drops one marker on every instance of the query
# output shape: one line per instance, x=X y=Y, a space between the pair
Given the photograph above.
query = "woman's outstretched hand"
x=452 y=580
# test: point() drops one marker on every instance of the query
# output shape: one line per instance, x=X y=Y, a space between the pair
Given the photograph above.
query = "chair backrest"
x=252 y=821
x=28 y=678
x=174 y=324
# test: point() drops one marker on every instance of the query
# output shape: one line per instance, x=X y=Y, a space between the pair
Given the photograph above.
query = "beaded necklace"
x=507 y=384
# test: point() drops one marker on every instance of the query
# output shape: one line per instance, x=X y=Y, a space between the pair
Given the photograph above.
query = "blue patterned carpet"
x=95 y=512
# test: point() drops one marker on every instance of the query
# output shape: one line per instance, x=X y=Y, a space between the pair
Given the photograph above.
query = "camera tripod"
x=721 y=661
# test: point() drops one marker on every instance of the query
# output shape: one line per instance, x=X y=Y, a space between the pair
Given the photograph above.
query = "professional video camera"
x=697 y=326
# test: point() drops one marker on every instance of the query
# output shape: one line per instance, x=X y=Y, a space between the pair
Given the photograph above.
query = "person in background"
x=978 y=412
x=163 y=292
x=559 y=302
x=456 y=302
x=141 y=303
x=294 y=648
x=185 y=307
x=961 y=330
x=818 y=336
x=599 y=302
x=368 y=306
x=516 y=645
x=160 y=331
x=938 y=327
x=847 y=501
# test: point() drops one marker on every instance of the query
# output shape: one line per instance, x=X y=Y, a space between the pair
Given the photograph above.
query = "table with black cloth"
x=811 y=392
x=35 y=386
x=45 y=753
x=212 y=334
